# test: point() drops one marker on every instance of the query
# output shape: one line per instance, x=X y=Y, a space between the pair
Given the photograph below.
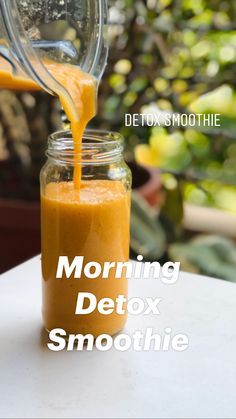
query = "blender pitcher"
x=62 y=31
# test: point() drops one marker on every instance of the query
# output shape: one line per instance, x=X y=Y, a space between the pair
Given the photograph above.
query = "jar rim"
x=93 y=137
x=97 y=146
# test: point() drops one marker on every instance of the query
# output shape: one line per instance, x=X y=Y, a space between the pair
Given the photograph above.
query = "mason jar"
x=84 y=225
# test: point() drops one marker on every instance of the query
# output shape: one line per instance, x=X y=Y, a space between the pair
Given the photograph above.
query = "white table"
x=200 y=382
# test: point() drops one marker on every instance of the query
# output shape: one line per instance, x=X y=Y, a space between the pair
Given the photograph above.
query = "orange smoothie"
x=95 y=224
x=79 y=218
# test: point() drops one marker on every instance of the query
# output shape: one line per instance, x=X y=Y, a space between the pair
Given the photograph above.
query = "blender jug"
x=62 y=31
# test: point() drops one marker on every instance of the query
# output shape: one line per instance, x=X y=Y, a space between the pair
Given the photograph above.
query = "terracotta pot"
x=147 y=182
x=19 y=232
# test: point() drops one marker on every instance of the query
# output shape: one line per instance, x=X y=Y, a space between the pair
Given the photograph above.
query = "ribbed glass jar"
x=90 y=222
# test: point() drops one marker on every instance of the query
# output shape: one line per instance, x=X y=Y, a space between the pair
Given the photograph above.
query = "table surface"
x=197 y=383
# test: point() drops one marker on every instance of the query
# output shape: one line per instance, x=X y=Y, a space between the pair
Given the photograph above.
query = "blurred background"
x=165 y=56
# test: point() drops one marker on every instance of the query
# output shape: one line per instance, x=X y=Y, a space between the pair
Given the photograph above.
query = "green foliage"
x=148 y=237
x=179 y=56
x=208 y=255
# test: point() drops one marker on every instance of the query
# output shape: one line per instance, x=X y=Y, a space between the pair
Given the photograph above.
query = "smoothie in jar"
x=94 y=224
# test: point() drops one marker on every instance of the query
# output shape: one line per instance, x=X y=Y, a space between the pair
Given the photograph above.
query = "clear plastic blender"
x=64 y=31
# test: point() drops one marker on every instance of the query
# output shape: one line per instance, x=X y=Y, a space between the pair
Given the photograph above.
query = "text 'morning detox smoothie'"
x=79 y=217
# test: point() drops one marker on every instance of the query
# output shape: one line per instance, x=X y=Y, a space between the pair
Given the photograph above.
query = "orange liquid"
x=94 y=224
x=82 y=89
x=79 y=218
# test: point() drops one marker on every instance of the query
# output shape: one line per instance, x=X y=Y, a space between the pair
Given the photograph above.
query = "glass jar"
x=82 y=229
